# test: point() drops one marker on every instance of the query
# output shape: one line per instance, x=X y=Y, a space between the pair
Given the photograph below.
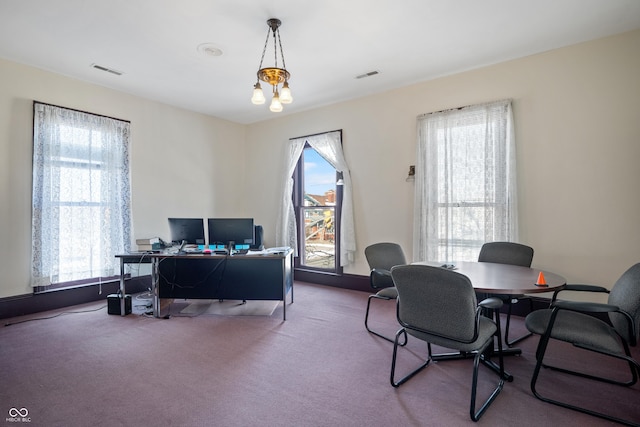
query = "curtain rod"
x=316 y=134
x=81 y=111
x=466 y=106
x=444 y=111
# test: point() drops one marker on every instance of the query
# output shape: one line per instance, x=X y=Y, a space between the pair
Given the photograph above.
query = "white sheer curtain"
x=465 y=184
x=81 y=195
x=329 y=146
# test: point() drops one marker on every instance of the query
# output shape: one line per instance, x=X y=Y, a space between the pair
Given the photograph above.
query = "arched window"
x=300 y=212
x=317 y=200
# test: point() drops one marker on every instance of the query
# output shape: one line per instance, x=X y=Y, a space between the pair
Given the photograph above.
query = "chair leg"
x=407 y=377
x=366 y=320
x=540 y=352
x=633 y=367
x=475 y=415
x=506 y=329
x=500 y=352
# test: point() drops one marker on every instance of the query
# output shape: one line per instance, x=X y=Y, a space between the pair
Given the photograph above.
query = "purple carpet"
x=318 y=368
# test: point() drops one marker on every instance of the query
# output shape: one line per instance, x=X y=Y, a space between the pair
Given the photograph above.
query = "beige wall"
x=577 y=118
x=177 y=158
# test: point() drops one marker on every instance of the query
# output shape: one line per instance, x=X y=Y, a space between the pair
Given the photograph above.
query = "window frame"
x=299 y=208
x=86 y=163
x=438 y=196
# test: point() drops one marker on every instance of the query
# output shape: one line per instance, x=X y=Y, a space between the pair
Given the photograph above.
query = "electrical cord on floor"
x=145 y=303
x=144 y=308
x=54 y=316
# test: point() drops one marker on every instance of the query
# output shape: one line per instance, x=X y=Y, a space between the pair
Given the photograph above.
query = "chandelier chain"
x=264 y=50
x=275 y=49
x=284 y=66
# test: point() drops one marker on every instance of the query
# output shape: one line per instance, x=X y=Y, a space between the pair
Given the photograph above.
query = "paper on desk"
x=268 y=251
x=280 y=249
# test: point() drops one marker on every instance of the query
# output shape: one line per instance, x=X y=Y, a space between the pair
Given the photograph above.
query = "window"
x=297 y=218
x=317 y=201
x=465 y=182
x=81 y=196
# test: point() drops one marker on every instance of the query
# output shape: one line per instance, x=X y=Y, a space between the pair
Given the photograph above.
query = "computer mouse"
x=206 y=251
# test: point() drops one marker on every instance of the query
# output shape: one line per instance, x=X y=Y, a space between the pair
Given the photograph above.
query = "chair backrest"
x=626 y=295
x=435 y=300
x=384 y=255
x=506 y=253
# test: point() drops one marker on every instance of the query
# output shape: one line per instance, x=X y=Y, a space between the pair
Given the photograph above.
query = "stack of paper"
x=151 y=244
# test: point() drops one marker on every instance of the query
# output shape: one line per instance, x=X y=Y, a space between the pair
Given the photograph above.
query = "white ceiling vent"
x=108 y=70
x=369 y=74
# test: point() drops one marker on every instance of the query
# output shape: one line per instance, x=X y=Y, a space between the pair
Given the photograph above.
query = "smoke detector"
x=209 y=49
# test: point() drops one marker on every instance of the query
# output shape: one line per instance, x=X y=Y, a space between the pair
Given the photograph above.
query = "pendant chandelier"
x=273 y=75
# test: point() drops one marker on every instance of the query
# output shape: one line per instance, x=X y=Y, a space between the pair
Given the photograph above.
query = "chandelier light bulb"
x=258 y=96
x=285 y=95
x=276 y=105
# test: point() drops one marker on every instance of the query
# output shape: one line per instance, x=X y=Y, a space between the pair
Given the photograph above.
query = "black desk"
x=266 y=276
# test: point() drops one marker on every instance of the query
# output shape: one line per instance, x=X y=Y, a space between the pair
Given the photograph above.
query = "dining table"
x=490 y=279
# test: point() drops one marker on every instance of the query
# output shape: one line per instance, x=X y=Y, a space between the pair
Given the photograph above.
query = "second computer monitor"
x=190 y=230
x=225 y=230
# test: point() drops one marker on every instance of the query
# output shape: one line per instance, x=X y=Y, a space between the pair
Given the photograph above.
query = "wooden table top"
x=494 y=278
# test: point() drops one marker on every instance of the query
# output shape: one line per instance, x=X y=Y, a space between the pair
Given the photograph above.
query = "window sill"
x=75 y=285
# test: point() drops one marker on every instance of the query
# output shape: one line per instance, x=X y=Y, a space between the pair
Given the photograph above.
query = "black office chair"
x=567 y=321
x=439 y=306
x=381 y=257
x=513 y=254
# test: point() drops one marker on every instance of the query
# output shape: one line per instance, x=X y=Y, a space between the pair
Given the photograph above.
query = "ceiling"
x=327 y=43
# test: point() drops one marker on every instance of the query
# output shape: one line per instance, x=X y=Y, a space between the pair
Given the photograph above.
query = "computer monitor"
x=225 y=230
x=190 y=230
